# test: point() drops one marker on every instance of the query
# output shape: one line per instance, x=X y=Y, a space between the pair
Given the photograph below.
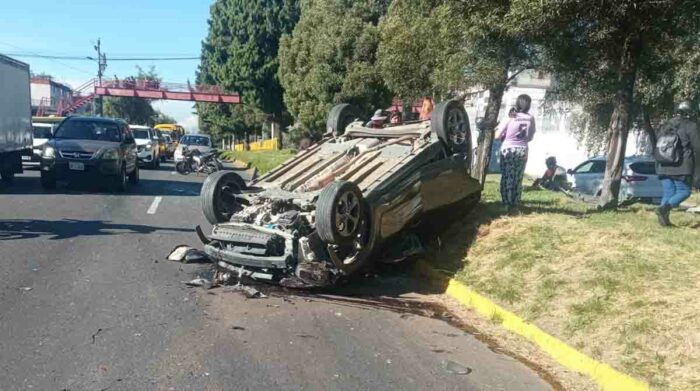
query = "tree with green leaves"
x=445 y=47
x=137 y=111
x=240 y=54
x=614 y=52
x=330 y=58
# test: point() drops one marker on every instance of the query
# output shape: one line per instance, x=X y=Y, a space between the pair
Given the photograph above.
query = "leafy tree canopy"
x=240 y=55
x=135 y=111
x=330 y=58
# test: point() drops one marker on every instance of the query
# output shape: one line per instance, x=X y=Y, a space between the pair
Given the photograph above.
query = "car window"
x=42 y=131
x=196 y=140
x=140 y=133
x=646 y=168
x=590 y=167
x=89 y=130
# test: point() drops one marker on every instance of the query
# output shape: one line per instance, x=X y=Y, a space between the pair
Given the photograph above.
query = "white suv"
x=147 y=146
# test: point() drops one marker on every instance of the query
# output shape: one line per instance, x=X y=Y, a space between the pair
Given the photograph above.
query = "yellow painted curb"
x=606 y=377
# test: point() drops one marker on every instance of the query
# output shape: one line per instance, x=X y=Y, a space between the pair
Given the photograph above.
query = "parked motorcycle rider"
x=676 y=152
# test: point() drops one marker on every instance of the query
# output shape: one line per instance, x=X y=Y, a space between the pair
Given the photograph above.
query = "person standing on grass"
x=677 y=148
x=515 y=133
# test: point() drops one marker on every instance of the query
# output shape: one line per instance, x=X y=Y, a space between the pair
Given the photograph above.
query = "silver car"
x=639 y=179
x=200 y=142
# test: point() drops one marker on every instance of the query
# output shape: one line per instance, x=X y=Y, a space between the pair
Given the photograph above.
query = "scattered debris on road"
x=95 y=335
x=456 y=368
x=200 y=282
x=249 y=291
x=26 y=288
x=187 y=254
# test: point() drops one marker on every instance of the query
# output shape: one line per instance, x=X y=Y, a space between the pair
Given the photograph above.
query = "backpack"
x=668 y=147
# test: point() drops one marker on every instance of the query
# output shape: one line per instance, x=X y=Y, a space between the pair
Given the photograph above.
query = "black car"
x=88 y=149
x=321 y=215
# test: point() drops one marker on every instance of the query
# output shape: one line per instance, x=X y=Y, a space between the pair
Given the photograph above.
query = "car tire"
x=120 y=181
x=135 y=175
x=340 y=117
x=451 y=124
x=48 y=180
x=7 y=175
x=218 y=196
x=340 y=211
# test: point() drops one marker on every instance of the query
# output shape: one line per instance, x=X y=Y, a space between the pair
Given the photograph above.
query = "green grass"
x=264 y=161
x=614 y=284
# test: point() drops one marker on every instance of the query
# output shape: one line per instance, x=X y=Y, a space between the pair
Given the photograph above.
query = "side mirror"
x=570 y=172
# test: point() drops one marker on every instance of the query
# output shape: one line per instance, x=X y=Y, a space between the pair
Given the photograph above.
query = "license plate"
x=77 y=166
x=26 y=158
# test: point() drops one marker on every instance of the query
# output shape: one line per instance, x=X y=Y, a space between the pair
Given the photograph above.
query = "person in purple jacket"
x=515 y=133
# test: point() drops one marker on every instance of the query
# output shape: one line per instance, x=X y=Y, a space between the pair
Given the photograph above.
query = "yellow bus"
x=175 y=131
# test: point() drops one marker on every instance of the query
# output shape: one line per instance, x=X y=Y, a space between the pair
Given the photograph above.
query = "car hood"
x=200 y=148
x=142 y=141
x=82 y=145
x=38 y=142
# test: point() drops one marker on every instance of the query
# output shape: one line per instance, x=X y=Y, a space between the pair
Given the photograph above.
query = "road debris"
x=95 y=335
x=238 y=328
x=187 y=254
x=455 y=367
x=200 y=282
x=248 y=291
x=309 y=336
x=26 y=288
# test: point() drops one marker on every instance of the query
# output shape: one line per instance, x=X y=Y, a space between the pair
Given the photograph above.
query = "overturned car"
x=319 y=216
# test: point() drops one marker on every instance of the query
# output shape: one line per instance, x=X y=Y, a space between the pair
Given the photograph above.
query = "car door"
x=588 y=176
x=130 y=153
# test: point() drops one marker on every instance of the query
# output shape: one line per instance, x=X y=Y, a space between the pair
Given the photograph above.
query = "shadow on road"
x=145 y=187
x=70 y=228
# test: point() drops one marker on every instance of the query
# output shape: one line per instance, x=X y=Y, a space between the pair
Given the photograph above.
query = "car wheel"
x=182 y=167
x=120 y=180
x=218 y=196
x=135 y=175
x=340 y=210
x=48 y=180
x=340 y=117
x=8 y=175
x=451 y=124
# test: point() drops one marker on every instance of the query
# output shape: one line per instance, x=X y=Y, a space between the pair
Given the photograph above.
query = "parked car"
x=200 y=142
x=321 y=215
x=88 y=149
x=147 y=146
x=639 y=179
x=169 y=146
x=42 y=134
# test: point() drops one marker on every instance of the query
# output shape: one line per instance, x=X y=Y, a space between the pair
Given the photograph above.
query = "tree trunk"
x=648 y=128
x=485 y=140
x=618 y=130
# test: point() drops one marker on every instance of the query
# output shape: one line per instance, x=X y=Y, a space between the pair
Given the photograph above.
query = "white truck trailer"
x=15 y=116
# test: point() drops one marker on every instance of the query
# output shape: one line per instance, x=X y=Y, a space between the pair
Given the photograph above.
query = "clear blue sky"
x=128 y=28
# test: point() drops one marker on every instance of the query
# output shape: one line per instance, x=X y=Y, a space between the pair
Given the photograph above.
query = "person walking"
x=515 y=133
x=676 y=151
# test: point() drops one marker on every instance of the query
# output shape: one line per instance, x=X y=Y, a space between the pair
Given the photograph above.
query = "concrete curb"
x=606 y=377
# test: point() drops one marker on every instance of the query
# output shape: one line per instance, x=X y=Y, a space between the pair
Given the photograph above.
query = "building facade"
x=47 y=94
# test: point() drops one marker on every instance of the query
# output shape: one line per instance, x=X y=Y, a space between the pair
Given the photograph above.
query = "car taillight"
x=634 y=178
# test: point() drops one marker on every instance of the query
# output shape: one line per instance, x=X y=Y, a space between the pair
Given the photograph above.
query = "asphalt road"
x=87 y=302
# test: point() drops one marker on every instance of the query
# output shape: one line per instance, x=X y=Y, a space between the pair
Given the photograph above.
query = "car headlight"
x=48 y=152
x=149 y=146
x=110 y=154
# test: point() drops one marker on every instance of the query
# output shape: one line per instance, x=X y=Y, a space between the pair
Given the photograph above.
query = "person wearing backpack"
x=676 y=152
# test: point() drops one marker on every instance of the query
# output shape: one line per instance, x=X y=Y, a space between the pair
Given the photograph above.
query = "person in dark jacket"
x=677 y=177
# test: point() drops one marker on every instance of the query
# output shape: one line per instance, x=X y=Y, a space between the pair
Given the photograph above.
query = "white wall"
x=40 y=91
x=553 y=136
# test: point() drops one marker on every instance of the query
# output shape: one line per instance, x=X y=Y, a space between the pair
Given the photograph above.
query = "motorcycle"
x=194 y=161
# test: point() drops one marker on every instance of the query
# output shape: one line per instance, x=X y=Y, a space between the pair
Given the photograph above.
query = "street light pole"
x=101 y=65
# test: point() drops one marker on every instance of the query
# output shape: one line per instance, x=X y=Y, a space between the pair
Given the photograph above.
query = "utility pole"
x=101 y=66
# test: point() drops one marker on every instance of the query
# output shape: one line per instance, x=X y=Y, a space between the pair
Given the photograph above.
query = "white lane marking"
x=154 y=206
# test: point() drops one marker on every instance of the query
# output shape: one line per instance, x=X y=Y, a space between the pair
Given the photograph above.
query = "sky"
x=127 y=28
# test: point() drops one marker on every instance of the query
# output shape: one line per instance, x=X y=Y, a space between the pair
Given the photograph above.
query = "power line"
x=87 y=58
x=50 y=59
